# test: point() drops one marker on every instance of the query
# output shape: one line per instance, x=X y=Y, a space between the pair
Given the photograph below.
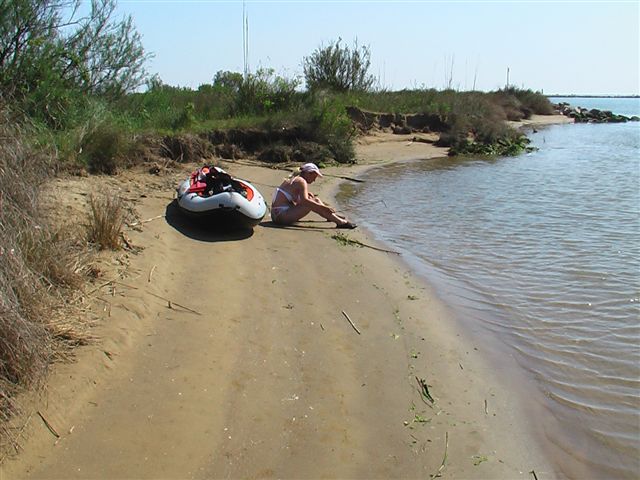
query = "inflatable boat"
x=214 y=196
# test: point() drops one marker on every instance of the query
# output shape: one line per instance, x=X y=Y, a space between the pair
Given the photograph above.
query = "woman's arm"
x=309 y=199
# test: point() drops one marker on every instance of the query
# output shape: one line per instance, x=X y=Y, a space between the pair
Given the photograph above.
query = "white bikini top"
x=286 y=194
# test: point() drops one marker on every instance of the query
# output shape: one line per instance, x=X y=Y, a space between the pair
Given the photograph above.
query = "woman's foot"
x=347 y=224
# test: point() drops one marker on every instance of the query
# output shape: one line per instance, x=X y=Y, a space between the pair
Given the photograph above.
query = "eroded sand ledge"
x=268 y=379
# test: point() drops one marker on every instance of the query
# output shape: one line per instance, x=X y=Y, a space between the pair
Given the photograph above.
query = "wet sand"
x=229 y=356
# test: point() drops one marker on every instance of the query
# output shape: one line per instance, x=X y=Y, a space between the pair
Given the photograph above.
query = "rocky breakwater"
x=592 y=115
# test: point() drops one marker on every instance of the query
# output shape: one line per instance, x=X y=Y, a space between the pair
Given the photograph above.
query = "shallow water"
x=540 y=252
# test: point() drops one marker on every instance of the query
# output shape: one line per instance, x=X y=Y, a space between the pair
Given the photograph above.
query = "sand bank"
x=231 y=357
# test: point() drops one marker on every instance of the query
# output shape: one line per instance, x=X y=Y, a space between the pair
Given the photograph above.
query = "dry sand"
x=230 y=357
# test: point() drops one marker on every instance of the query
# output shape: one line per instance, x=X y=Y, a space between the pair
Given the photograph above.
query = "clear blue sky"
x=559 y=47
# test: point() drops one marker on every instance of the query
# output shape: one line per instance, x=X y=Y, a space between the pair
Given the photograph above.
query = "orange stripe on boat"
x=248 y=189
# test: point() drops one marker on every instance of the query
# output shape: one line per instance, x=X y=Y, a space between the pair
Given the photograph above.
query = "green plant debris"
x=343 y=240
x=412 y=297
x=420 y=419
x=478 y=459
x=424 y=390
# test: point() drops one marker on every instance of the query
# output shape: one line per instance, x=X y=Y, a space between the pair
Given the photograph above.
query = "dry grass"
x=106 y=219
x=39 y=267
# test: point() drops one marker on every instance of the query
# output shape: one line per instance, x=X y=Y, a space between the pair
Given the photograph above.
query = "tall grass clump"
x=37 y=265
x=106 y=219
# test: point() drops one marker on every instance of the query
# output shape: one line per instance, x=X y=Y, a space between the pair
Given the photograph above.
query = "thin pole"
x=244 y=40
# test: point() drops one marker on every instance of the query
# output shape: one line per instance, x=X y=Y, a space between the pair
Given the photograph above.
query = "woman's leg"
x=297 y=212
x=292 y=214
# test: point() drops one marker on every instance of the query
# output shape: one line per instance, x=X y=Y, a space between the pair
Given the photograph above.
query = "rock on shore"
x=593 y=115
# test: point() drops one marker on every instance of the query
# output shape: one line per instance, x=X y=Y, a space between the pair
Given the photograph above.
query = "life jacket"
x=207 y=181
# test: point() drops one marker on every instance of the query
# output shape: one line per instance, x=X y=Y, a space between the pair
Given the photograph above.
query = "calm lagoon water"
x=540 y=255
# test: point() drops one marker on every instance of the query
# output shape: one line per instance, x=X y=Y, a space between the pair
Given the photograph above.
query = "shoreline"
x=276 y=383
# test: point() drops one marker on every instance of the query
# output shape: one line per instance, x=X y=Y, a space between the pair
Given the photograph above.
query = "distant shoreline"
x=593 y=96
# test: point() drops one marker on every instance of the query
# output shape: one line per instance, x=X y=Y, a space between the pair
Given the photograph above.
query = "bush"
x=339 y=69
x=529 y=101
x=105 y=149
x=334 y=128
x=264 y=92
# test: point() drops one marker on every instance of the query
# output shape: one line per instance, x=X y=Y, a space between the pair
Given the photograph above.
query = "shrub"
x=530 y=101
x=265 y=92
x=106 y=219
x=104 y=150
x=332 y=126
x=340 y=69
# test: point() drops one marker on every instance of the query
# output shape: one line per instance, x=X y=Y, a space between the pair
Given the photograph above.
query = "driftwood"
x=51 y=429
x=351 y=179
x=349 y=320
x=374 y=248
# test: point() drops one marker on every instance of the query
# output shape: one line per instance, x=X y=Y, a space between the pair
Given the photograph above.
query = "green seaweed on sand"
x=344 y=240
x=420 y=419
x=478 y=459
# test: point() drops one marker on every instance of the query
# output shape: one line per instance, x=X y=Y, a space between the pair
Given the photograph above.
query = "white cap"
x=310 y=167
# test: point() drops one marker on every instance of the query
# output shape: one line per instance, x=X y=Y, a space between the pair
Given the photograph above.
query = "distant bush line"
x=105 y=136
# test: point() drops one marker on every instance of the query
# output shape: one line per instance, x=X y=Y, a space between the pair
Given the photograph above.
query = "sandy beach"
x=231 y=356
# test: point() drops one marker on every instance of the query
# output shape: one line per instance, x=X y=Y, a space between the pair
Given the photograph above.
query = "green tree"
x=228 y=80
x=339 y=68
x=49 y=52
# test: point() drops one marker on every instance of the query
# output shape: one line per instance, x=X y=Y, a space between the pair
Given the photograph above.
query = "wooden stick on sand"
x=170 y=303
x=51 y=429
x=349 y=320
x=145 y=221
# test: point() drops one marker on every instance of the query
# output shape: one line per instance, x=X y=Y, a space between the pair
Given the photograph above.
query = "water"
x=541 y=253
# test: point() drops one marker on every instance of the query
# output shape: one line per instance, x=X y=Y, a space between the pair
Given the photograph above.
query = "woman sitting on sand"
x=292 y=200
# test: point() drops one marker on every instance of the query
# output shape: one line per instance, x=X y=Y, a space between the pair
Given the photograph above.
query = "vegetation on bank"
x=69 y=101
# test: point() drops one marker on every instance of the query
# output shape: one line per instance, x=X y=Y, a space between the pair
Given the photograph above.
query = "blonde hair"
x=295 y=173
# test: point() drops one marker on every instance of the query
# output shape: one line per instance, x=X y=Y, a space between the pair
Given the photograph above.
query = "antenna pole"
x=245 y=40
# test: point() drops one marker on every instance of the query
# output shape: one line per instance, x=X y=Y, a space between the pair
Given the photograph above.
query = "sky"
x=557 y=47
